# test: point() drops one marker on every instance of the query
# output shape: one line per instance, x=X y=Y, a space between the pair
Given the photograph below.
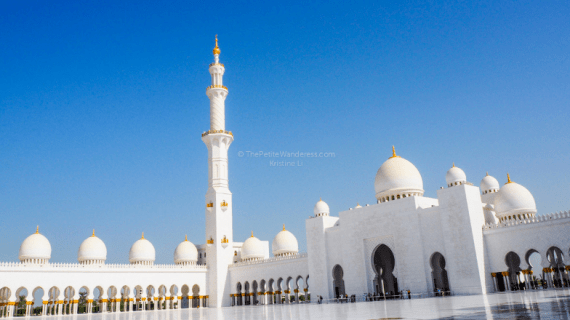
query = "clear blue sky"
x=102 y=106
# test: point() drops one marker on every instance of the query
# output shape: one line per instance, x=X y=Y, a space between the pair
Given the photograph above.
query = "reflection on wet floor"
x=556 y=308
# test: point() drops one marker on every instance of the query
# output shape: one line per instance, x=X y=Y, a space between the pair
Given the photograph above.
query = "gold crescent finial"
x=37 y=229
x=320 y=199
x=283 y=227
x=217 y=49
x=394 y=153
x=142 y=236
x=453 y=165
x=93 y=233
x=487 y=174
x=508 y=178
x=252 y=233
x=185 y=237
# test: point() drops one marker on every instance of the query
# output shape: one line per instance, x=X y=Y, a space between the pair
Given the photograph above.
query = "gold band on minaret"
x=217 y=49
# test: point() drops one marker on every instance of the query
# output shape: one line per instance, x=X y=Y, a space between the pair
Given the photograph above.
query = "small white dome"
x=142 y=251
x=252 y=248
x=398 y=176
x=92 y=249
x=321 y=208
x=284 y=243
x=35 y=247
x=513 y=200
x=489 y=184
x=455 y=176
x=185 y=252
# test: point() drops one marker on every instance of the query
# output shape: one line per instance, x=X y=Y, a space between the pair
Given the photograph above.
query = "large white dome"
x=321 y=209
x=186 y=252
x=92 y=249
x=142 y=252
x=252 y=248
x=455 y=176
x=284 y=243
x=489 y=184
x=35 y=248
x=514 y=200
x=397 y=177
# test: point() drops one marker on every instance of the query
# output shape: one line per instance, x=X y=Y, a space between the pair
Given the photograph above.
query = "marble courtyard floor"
x=548 y=304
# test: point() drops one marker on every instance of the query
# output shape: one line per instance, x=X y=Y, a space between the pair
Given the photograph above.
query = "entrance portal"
x=384 y=263
x=338 y=282
x=438 y=273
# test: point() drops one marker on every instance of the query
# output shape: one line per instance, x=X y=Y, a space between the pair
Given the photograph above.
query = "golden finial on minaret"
x=142 y=236
x=217 y=49
x=508 y=179
x=283 y=227
x=252 y=233
x=185 y=237
x=320 y=199
x=394 y=153
x=453 y=165
x=487 y=174
x=93 y=233
x=37 y=229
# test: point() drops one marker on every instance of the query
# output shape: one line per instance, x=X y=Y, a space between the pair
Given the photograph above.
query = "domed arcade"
x=35 y=249
x=186 y=253
x=284 y=244
x=455 y=176
x=252 y=249
x=397 y=178
x=142 y=252
x=514 y=202
x=92 y=251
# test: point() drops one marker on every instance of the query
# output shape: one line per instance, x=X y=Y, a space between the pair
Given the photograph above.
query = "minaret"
x=219 y=234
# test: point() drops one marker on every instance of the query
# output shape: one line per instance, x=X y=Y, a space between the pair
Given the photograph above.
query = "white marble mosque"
x=469 y=240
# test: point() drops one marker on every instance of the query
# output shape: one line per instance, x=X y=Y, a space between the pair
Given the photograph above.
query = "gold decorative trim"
x=211 y=204
x=224 y=204
x=217 y=131
x=217 y=86
x=394 y=153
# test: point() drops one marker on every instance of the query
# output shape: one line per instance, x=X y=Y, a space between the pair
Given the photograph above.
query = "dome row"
x=92 y=251
x=398 y=178
x=284 y=244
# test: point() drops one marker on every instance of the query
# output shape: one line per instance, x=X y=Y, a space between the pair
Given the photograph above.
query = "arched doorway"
x=338 y=282
x=438 y=273
x=254 y=292
x=238 y=289
x=556 y=259
x=247 y=297
x=384 y=263
x=513 y=262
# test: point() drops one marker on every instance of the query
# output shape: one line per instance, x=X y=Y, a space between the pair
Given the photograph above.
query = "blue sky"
x=102 y=106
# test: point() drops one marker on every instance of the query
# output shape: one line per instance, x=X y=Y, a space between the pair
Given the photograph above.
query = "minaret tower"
x=219 y=234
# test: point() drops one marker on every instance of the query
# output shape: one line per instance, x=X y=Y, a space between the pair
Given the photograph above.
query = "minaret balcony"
x=217 y=87
x=217 y=64
x=217 y=131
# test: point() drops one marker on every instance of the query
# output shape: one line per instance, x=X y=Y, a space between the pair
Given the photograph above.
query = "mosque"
x=468 y=240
